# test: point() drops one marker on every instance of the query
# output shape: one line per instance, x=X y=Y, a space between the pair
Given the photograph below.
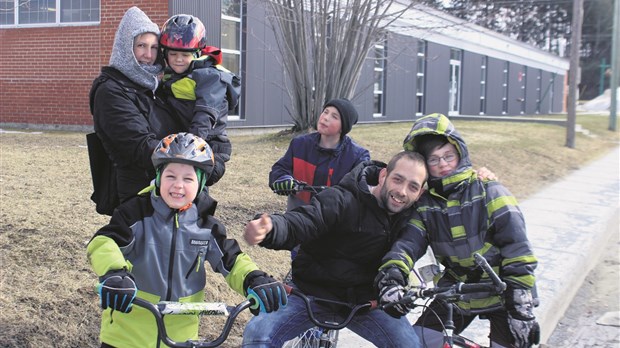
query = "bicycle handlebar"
x=301 y=186
x=454 y=292
x=193 y=308
x=324 y=324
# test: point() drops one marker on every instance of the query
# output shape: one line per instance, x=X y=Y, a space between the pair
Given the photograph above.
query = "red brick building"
x=46 y=72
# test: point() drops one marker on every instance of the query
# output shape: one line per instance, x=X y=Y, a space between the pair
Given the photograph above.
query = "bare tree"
x=323 y=44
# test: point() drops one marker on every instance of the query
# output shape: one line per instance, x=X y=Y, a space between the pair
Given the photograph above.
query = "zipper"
x=195 y=264
x=175 y=228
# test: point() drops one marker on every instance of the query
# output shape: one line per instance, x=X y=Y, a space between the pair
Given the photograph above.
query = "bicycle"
x=325 y=333
x=450 y=295
x=193 y=308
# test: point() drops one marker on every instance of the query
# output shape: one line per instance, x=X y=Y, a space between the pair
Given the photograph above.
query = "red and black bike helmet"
x=183 y=33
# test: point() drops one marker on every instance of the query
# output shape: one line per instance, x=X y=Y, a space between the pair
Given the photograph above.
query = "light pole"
x=573 y=73
x=615 y=67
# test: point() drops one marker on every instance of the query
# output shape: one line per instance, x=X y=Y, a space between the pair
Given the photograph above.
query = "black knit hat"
x=348 y=114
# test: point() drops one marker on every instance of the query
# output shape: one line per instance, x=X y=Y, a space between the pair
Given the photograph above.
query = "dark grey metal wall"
x=470 y=90
x=546 y=93
x=266 y=101
x=363 y=98
x=531 y=90
x=207 y=11
x=437 y=78
x=400 y=89
x=514 y=89
x=495 y=71
x=558 y=99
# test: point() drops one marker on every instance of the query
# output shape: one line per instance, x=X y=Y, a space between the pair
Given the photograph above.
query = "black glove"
x=219 y=168
x=285 y=185
x=221 y=144
x=117 y=290
x=521 y=320
x=389 y=284
x=268 y=293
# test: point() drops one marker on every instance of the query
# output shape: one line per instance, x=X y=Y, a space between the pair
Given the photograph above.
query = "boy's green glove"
x=285 y=185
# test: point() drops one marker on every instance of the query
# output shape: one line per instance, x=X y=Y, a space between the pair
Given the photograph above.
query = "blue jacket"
x=306 y=161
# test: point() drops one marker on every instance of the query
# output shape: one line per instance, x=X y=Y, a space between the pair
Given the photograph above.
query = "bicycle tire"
x=311 y=338
x=462 y=342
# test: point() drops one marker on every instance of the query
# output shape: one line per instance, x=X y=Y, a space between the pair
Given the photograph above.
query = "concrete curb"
x=568 y=223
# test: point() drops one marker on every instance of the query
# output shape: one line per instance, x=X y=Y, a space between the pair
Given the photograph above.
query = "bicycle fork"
x=449 y=328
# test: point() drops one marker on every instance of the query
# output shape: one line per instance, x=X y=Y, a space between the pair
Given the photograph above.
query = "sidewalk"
x=568 y=224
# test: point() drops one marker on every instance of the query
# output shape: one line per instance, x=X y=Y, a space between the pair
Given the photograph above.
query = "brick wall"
x=46 y=73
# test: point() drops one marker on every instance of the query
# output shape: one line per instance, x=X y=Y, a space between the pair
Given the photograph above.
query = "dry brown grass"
x=47 y=293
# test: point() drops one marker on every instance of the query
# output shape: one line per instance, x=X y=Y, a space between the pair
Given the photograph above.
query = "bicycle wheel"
x=462 y=342
x=314 y=338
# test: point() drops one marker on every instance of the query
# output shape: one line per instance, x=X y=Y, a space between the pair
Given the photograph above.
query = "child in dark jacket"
x=197 y=87
x=461 y=214
x=321 y=158
x=155 y=247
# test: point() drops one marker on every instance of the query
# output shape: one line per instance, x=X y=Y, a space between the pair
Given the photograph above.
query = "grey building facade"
x=461 y=70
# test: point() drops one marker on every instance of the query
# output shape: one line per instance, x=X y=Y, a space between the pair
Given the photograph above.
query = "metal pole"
x=615 y=67
x=601 y=84
x=573 y=73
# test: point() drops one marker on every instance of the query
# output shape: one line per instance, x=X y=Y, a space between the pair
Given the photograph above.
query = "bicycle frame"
x=325 y=333
x=451 y=294
x=193 y=308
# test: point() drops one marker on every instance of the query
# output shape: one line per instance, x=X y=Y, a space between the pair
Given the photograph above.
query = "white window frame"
x=379 y=79
x=538 y=90
x=523 y=89
x=483 y=84
x=505 y=88
x=237 y=52
x=420 y=76
x=57 y=18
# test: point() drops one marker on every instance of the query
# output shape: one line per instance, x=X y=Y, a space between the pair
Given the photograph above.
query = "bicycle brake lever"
x=482 y=263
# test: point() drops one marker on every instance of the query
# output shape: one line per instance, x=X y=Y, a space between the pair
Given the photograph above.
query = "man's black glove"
x=268 y=293
x=117 y=290
x=521 y=320
x=390 y=283
x=284 y=185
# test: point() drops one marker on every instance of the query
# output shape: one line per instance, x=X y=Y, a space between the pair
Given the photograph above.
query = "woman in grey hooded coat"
x=128 y=117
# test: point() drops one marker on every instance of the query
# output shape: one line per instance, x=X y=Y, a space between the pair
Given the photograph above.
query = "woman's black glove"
x=269 y=295
x=117 y=290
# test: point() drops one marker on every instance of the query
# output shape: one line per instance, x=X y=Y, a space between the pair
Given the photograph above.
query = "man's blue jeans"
x=274 y=329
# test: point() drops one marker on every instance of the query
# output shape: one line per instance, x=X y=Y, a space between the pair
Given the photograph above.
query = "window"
x=379 y=80
x=505 y=89
x=454 y=88
x=48 y=12
x=420 y=74
x=232 y=12
x=523 y=80
x=551 y=94
x=538 y=90
x=483 y=85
